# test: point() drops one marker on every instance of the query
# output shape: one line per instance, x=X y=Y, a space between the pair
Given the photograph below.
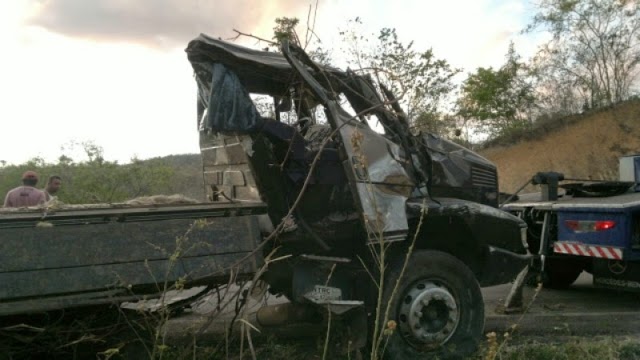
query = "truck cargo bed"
x=55 y=258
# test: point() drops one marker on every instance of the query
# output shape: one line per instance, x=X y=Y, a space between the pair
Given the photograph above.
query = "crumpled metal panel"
x=379 y=183
x=461 y=173
x=382 y=185
x=488 y=224
x=452 y=162
x=261 y=72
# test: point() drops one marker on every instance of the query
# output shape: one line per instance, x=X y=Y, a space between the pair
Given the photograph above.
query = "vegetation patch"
x=574 y=349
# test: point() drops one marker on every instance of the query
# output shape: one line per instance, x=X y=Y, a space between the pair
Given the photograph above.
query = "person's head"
x=53 y=184
x=30 y=178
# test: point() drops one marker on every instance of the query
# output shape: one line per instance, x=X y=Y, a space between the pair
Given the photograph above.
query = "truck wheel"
x=561 y=273
x=438 y=308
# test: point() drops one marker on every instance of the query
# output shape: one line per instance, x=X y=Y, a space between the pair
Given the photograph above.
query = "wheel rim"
x=429 y=315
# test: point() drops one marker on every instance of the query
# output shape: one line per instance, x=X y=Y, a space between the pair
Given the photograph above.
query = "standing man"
x=27 y=194
x=52 y=187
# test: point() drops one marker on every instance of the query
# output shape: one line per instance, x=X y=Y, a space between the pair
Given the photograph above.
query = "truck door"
x=373 y=164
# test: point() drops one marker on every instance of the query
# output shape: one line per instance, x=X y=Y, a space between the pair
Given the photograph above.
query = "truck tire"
x=561 y=273
x=438 y=308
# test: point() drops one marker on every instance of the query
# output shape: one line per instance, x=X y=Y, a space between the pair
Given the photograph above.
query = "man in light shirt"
x=27 y=194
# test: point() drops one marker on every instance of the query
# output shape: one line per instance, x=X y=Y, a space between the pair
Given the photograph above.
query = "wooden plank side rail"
x=131 y=251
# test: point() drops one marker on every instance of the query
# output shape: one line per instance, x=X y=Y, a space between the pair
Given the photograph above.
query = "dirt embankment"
x=584 y=147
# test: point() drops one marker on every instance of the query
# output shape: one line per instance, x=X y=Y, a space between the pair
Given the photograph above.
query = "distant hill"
x=585 y=146
x=187 y=179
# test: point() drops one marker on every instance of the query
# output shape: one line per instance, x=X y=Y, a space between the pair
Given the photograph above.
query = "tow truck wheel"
x=561 y=273
x=438 y=308
x=558 y=273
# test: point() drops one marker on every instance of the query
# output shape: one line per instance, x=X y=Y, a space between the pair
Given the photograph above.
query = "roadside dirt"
x=586 y=147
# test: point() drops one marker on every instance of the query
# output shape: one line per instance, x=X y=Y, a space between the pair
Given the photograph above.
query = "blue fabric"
x=230 y=109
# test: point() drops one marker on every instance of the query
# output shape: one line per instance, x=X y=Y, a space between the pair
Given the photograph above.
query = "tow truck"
x=579 y=225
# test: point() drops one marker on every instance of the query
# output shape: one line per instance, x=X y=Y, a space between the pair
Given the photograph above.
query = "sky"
x=114 y=72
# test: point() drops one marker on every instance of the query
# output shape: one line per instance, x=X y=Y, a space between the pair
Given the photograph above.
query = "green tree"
x=500 y=100
x=422 y=82
x=286 y=29
x=96 y=180
x=593 y=53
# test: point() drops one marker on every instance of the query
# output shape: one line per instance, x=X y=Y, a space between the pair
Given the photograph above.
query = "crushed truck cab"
x=280 y=128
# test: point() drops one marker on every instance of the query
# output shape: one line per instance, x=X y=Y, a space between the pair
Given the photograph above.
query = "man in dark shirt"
x=52 y=187
x=27 y=194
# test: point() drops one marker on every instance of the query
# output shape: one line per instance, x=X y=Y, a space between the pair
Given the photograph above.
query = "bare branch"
x=240 y=33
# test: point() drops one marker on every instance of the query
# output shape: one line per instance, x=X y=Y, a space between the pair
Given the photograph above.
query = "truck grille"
x=483 y=177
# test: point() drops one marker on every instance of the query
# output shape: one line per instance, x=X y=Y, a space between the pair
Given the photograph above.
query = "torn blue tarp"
x=230 y=108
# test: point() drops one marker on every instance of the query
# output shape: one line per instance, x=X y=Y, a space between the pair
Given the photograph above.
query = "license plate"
x=324 y=293
x=616 y=283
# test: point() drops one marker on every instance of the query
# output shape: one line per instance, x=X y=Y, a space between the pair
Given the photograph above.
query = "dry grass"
x=575 y=348
x=585 y=149
x=610 y=348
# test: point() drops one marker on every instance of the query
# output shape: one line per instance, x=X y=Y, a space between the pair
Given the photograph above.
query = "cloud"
x=467 y=33
x=159 y=23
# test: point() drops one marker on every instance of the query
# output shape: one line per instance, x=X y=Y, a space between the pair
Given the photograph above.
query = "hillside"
x=583 y=146
x=187 y=177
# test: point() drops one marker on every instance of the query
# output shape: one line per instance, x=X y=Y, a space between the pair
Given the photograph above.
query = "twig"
x=373 y=279
x=249 y=340
x=311 y=29
x=327 y=336
x=23 y=327
x=377 y=341
x=326 y=340
x=240 y=33
x=514 y=327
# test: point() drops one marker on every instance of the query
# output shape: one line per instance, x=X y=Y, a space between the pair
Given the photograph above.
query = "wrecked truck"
x=348 y=204
x=358 y=218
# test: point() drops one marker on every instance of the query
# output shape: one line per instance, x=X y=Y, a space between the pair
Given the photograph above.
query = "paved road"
x=578 y=311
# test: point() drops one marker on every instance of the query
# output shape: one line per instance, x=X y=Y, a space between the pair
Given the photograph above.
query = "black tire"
x=433 y=280
x=561 y=273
